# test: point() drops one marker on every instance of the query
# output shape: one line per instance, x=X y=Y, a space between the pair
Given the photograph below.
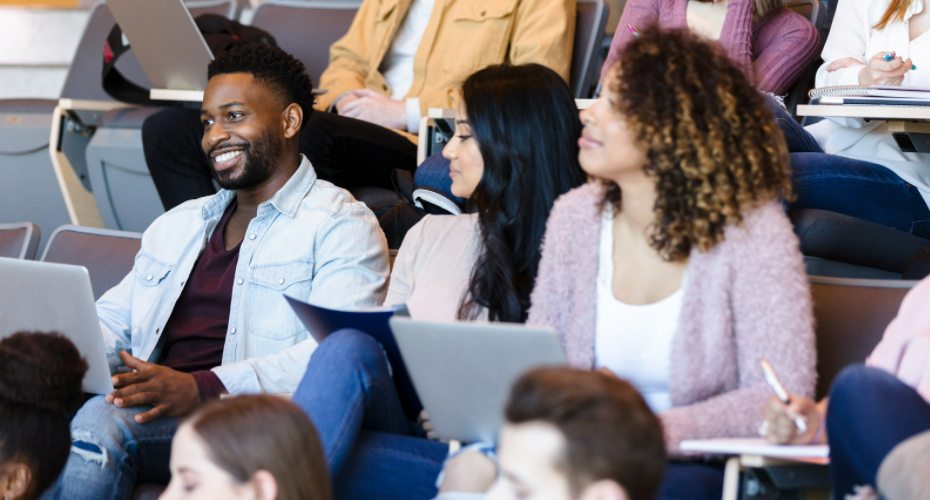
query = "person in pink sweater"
x=770 y=43
x=677 y=268
x=877 y=418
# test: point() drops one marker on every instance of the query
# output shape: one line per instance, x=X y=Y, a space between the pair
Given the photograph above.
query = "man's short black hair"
x=281 y=72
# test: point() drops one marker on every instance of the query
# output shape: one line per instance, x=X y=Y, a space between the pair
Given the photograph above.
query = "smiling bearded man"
x=203 y=311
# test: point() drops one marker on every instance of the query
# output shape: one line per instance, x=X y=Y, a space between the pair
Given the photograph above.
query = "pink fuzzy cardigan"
x=745 y=299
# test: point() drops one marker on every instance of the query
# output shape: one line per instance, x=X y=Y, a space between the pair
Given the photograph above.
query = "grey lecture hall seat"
x=119 y=177
x=19 y=240
x=851 y=316
x=841 y=246
x=108 y=255
x=590 y=23
x=28 y=186
x=123 y=187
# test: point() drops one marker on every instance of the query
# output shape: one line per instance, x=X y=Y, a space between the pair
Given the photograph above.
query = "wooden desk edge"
x=176 y=95
x=91 y=105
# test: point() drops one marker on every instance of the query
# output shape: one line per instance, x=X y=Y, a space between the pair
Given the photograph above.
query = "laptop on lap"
x=45 y=297
x=463 y=371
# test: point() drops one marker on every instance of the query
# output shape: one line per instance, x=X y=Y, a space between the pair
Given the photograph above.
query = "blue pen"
x=888 y=58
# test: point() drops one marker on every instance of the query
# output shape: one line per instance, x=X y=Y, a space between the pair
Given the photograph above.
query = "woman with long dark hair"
x=40 y=386
x=513 y=154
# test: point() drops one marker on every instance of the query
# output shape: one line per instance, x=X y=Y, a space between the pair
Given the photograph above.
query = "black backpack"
x=219 y=32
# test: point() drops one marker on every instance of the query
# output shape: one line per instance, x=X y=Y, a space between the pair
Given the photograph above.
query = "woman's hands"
x=779 y=427
x=878 y=71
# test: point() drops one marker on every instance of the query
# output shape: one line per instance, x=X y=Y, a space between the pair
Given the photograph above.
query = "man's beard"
x=257 y=164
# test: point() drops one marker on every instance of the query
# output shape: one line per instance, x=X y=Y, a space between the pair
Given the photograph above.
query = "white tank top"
x=634 y=341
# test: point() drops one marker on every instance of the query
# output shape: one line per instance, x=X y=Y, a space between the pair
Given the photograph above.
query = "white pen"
x=769 y=374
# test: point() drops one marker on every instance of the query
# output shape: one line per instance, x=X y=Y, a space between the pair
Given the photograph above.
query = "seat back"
x=84 y=79
x=306 y=29
x=841 y=238
x=19 y=240
x=851 y=316
x=590 y=23
x=108 y=255
x=813 y=10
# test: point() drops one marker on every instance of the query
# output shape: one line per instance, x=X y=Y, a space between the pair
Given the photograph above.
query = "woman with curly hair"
x=40 y=387
x=677 y=268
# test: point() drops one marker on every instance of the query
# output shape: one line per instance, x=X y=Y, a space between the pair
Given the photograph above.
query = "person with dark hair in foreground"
x=578 y=434
x=397 y=60
x=248 y=448
x=203 y=311
x=40 y=386
x=513 y=154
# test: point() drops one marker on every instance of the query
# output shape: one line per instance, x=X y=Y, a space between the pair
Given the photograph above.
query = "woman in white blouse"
x=870 y=177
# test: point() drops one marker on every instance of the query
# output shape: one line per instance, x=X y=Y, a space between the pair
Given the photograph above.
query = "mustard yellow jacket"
x=462 y=37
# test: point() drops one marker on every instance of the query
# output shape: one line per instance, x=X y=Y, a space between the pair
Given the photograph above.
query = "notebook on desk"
x=747 y=446
x=890 y=92
x=875 y=101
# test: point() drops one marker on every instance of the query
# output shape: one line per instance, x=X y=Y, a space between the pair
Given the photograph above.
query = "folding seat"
x=841 y=246
x=122 y=186
x=108 y=255
x=19 y=240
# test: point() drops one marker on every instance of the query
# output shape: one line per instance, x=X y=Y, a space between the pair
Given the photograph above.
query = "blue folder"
x=321 y=322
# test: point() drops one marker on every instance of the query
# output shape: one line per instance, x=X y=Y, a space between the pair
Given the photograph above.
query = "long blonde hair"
x=895 y=12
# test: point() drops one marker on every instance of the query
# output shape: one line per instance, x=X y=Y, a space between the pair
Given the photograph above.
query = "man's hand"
x=878 y=71
x=376 y=108
x=171 y=392
x=344 y=101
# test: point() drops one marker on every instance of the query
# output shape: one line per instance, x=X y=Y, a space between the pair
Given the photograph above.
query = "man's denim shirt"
x=311 y=240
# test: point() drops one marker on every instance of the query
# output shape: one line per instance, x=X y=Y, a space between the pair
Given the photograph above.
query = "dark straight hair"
x=527 y=127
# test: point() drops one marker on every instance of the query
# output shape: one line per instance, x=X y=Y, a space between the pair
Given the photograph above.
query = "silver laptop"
x=463 y=371
x=165 y=39
x=44 y=297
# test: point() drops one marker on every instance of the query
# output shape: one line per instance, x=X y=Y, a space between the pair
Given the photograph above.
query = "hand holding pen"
x=885 y=68
x=788 y=419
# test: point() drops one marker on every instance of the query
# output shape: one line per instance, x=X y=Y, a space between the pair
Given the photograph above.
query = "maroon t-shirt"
x=196 y=332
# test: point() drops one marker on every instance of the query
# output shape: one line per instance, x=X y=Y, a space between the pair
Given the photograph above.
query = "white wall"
x=38 y=46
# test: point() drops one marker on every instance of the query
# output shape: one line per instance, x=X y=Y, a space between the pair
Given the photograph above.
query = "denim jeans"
x=848 y=186
x=870 y=412
x=348 y=392
x=110 y=453
x=434 y=172
x=858 y=189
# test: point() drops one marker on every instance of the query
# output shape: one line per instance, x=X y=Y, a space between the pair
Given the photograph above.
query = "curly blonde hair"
x=712 y=144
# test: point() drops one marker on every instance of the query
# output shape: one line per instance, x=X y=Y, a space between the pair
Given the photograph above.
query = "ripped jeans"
x=110 y=453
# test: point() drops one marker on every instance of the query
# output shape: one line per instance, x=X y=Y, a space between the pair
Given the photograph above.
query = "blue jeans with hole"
x=110 y=453
x=371 y=448
x=870 y=412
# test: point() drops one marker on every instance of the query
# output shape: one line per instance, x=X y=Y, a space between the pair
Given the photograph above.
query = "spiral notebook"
x=909 y=93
